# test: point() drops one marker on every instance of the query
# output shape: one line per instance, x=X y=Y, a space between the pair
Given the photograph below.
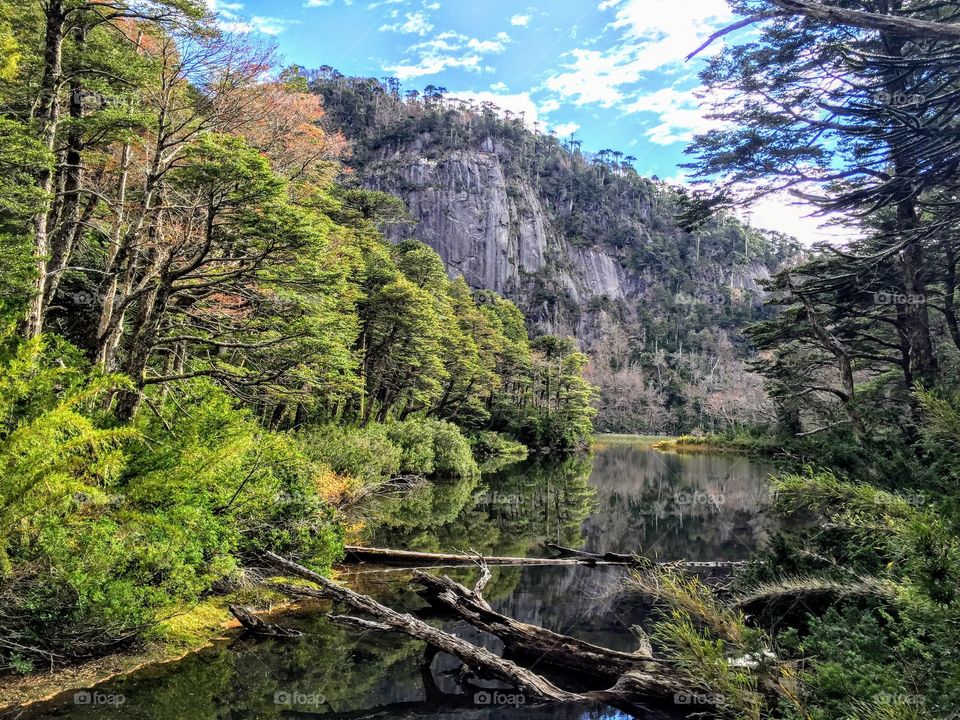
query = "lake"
x=626 y=497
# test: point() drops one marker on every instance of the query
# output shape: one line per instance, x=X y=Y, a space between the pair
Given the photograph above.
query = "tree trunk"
x=66 y=212
x=628 y=681
x=49 y=108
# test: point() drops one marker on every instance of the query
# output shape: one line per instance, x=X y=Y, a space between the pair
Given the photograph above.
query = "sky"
x=609 y=73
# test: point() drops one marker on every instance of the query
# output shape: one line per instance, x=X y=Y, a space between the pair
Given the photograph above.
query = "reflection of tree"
x=357 y=675
x=510 y=513
x=346 y=669
x=630 y=501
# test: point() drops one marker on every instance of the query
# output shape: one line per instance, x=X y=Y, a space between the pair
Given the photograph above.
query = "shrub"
x=366 y=454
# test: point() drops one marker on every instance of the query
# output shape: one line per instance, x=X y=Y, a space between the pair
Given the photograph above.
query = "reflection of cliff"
x=695 y=506
x=674 y=506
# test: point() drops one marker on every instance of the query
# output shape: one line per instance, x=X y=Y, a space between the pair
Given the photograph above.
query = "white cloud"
x=550 y=106
x=496 y=45
x=318 y=3
x=226 y=10
x=520 y=20
x=516 y=103
x=446 y=50
x=654 y=36
x=783 y=212
x=519 y=104
x=432 y=66
x=566 y=129
x=230 y=20
x=596 y=76
x=271 y=25
x=681 y=114
x=415 y=23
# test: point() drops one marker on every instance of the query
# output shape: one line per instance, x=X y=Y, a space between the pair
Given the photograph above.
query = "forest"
x=208 y=347
x=223 y=352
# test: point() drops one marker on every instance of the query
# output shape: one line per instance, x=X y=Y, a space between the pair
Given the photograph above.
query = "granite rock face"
x=494 y=229
x=488 y=232
x=495 y=223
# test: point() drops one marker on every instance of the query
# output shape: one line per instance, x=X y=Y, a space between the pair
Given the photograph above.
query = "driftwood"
x=527 y=682
x=566 y=556
x=611 y=558
x=253 y=624
x=628 y=681
x=409 y=558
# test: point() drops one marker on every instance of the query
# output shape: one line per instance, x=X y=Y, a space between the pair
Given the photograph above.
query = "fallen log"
x=254 y=625
x=630 y=681
x=612 y=558
x=410 y=558
x=567 y=556
x=532 y=685
x=522 y=639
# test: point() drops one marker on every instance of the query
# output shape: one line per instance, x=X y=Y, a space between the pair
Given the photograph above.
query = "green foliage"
x=433 y=447
x=104 y=528
x=366 y=454
x=240 y=353
x=21 y=159
x=714 y=647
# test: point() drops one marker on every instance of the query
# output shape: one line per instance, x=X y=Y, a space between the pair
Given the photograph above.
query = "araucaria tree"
x=854 y=109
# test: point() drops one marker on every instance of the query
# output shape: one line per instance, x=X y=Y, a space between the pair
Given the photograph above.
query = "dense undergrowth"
x=105 y=527
x=854 y=601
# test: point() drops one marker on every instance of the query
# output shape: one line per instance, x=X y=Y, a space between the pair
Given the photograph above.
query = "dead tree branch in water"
x=567 y=556
x=628 y=681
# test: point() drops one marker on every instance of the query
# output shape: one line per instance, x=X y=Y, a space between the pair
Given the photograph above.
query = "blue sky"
x=611 y=73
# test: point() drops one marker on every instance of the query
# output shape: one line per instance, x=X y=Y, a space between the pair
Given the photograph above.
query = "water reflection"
x=627 y=497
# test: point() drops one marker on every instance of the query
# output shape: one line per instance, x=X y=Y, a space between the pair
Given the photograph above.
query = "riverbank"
x=196 y=629
x=738 y=444
x=596 y=503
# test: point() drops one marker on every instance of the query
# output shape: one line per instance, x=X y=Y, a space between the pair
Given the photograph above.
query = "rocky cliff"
x=491 y=225
x=581 y=243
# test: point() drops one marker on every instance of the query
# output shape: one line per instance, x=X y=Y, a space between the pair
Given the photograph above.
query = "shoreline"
x=210 y=623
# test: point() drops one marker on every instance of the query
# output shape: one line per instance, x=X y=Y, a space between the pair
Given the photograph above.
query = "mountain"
x=582 y=243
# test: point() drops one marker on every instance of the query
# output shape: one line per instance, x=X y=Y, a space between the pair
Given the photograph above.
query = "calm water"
x=626 y=498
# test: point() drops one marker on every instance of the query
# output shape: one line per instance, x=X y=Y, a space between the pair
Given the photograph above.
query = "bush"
x=366 y=454
x=104 y=529
x=433 y=447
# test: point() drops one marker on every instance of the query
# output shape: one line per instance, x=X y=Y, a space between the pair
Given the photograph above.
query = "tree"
x=873 y=145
